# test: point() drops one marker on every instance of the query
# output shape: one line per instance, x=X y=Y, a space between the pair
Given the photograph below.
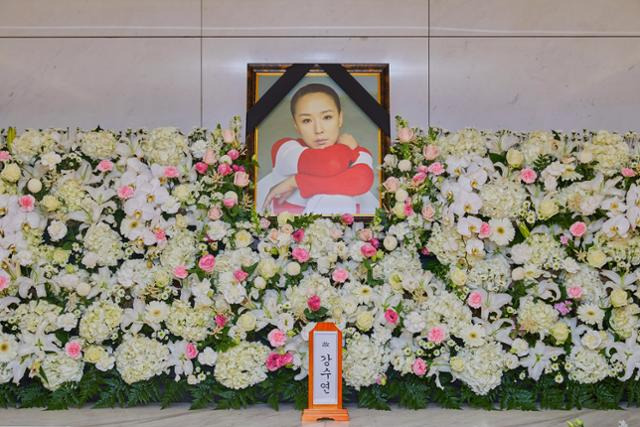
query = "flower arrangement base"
x=315 y=414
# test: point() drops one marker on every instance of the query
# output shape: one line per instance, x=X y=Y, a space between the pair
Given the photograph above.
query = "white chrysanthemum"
x=34 y=142
x=587 y=366
x=155 y=313
x=242 y=366
x=364 y=361
x=100 y=321
x=98 y=144
x=59 y=368
x=536 y=317
x=482 y=367
x=590 y=314
x=502 y=231
x=105 y=243
x=139 y=358
x=474 y=335
x=502 y=198
x=191 y=323
x=8 y=348
x=165 y=146
x=492 y=274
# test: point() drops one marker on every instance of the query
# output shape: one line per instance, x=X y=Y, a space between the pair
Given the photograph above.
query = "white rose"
x=364 y=321
x=390 y=243
x=259 y=282
x=514 y=158
x=67 y=321
x=401 y=195
x=596 y=258
x=34 y=185
x=458 y=276
x=548 y=208
x=585 y=156
x=83 y=289
x=591 y=340
x=207 y=357
x=618 y=297
x=404 y=165
x=11 y=173
x=243 y=239
x=390 y=160
x=50 y=160
x=247 y=321
x=57 y=230
x=293 y=268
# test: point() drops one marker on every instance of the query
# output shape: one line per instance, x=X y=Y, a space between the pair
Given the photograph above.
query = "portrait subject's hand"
x=280 y=191
x=348 y=140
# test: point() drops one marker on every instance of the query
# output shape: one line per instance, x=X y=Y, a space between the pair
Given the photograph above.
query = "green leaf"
x=373 y=397
x=33 y=395
x=63 y=397
x=143 y=393
x=113 y=393
x=174 y=391
x=203 y=394
x=8 y=395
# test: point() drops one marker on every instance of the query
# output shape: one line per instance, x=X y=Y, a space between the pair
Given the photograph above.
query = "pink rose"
x=224 y=169
x=485 y=230
x=125 y=192
x=73 y=349
x=277 y=338
x=27 y=203
x=191 y=351
x=241 y=179
x=300 y=254
x=430 y=152
x=180 y=272
x=436 y=168
x=314 y=303
x=159 y=234
x=428 y=212
x=286 y=359
x=347 y=219
x=105 y=165
x=405 y=134
x=578 y=229
x=528 y=175
x=230 y=202
x=4 y=156
x=365 y=234
x=628 y=172
x=419 y=178
x=436 y=334
x=4 y=282
x=298 y=235
x=368 y=250
x=201 y=168
x=215 y=213
x=419 y=367
x=171 y=172
x=228 y=135
x=273 y=361
x=207 y=263
x=340 y=275
x=240 y=275
x=574 y=292
x=391 y=184
x=233 y=153
x=475 y=299
x=220 y=320
x=209 y=157
x=391 y=316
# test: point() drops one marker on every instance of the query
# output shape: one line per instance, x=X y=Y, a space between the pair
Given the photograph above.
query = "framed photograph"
x=318 y=133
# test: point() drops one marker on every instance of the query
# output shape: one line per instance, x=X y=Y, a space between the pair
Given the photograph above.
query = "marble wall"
x=520 y=64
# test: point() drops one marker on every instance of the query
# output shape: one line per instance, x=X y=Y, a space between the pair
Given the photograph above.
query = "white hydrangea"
x=100 y=321
x=610 y=152
x=59 y=368
x=191 y=323
x=536 y=317
x=242 y=366
x=587 y=366
x=502 y=198
x=482 y=367
x=164 y=146
x=35 y=315
x=364 y=362
x=103 y=246
x=139 y=358
x=492 y=273
x=313 y=284
x=180 y=250
x=32 y=142
x=465 y=142
x=98 y=144
x=446 y=244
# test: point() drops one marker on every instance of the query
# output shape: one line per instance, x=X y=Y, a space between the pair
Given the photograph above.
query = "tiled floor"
x=180 y=415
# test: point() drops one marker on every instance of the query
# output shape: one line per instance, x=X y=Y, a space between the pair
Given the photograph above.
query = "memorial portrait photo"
x=317 y=151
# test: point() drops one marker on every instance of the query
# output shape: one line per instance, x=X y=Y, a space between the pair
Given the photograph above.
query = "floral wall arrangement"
x=500 y=272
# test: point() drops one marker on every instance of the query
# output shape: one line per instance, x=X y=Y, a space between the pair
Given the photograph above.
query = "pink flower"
x=574 y=292
x=240 y=275
x=347 y=219
x=300 y=254
x=273 y=361
x=209 y=157
x=564 y=239
x=4 y=282
x=578 y=228
x=73 y=349
x=405 y=134
x=368 y=250
x=419 y=367
x=425 y=251
x=27 y=203
x=214 y=213
x=436 y=334
x=221 y=320
x=277 y=338
x=241 y=179
x=230 y=202
x=105 y=165
x=207 y=263
x=365 y=234
x=201 y=168
x=408 y=209
x=314 y=303
x=286 y=359
x=159 y=234
x=171 y=172
x=391 y=184
x=528 y=175
x=298 y=235
x=628 y=172
x=180 y=272
x=224 y=169
x=485 y=230
x=428 y=212
x=391 y=316
x=562 y=308
x=430 y=152
x=340 y=275
x=419 y=178
x=125 y=192
x=265 y=223
x=475 y=299
x=191 y=351
x=4 y=156
x=233 y=153
x=436 y=168
x=228 y=135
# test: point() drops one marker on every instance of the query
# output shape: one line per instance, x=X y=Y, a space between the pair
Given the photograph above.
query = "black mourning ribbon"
x=339 y=74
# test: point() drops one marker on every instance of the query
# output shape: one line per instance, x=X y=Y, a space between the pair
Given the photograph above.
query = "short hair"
x=314 y=88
